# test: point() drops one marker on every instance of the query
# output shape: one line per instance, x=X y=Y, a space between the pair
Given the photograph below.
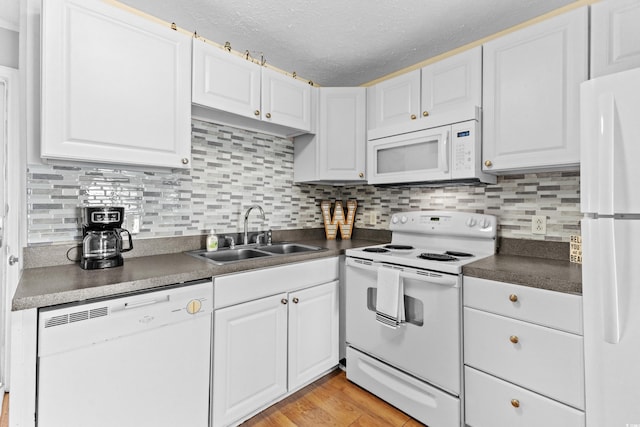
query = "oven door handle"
x=438 y=280
x=444 y=280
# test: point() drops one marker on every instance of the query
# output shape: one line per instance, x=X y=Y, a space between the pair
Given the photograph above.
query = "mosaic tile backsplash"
x=233 y=169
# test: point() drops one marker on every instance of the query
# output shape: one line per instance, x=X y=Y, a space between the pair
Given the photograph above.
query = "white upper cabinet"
x=453 y=86
x=336 y=153
x=247 y=95
x=285 y=100
x=394 y=101
x=116 y=87
x=615 y=36
x=442 y=93
x=225 y=81
x=531 y=96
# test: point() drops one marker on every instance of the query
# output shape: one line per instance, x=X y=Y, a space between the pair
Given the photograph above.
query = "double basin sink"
x=227 y=255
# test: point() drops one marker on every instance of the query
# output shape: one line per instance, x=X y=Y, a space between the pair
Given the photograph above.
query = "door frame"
x=14 y=212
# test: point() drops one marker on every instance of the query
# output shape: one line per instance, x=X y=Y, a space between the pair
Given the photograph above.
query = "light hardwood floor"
x=4 y=415
x=332 y=401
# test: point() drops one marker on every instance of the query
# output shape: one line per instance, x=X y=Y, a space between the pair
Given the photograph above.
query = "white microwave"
x=440 y=155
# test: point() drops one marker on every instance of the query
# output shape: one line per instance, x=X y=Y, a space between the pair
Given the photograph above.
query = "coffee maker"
x=102 y=237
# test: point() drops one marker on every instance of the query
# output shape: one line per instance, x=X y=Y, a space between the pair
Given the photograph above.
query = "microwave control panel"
x=463 y=148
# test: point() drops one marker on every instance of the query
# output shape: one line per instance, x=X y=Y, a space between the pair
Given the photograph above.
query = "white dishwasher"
x=141 y=360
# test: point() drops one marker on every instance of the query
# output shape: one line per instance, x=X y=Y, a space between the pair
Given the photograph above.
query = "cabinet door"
x=250 y=357
x=225 y=81
x=116 y=87
x=313 y=333
x=285 y=100
x=453 y=85
x=395 y=101
x=531 y=95
x=615 y=36
x=342 y=133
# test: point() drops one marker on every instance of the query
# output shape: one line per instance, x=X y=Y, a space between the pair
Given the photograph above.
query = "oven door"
x=412 y=157
x=428 y=344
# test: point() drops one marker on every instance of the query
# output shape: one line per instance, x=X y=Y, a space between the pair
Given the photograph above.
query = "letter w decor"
x=331 y=224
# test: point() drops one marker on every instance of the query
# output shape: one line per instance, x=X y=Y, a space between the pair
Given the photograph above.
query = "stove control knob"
x=471 y=222
x=394 y=219
x=485 y=223
x=403 y=219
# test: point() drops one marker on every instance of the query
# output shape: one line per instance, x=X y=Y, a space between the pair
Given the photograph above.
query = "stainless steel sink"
x=288 y=248
x=226 y=255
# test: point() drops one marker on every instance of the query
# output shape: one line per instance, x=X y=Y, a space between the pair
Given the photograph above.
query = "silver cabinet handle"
x=13 y=259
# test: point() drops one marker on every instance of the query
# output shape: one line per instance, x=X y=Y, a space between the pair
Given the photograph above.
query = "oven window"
x=408 y=158
x=413 y=308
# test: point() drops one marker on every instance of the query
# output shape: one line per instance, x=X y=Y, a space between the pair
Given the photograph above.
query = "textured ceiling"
x=345 y=42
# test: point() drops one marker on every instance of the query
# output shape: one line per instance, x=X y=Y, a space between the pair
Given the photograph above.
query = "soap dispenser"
x=212 y=241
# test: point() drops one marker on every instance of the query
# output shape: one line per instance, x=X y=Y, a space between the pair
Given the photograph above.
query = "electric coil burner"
x=438 y=257
x=399 y=247
x=375 y=250
x=404 y=305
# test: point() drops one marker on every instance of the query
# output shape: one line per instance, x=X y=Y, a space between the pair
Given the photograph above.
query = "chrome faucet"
x=246 y=221
x=232 y=243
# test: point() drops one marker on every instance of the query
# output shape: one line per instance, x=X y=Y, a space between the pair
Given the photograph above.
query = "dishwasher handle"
x=145 y=303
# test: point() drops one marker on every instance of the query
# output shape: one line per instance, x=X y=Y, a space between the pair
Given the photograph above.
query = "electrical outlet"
x=373 y=218
x=134 y=224
x=539 y=224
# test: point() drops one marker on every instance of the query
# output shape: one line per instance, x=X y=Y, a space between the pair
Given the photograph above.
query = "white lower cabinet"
x=313 y=333
x=524 y=362
x=250 y=357
x=269 y=347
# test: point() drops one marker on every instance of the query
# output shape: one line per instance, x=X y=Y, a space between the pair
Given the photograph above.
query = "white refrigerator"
x=610 y=201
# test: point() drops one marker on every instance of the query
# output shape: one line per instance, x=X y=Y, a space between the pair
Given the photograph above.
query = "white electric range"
x=416 y=363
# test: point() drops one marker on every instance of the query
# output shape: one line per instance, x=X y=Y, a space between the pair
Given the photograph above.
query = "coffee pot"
x=102 y=237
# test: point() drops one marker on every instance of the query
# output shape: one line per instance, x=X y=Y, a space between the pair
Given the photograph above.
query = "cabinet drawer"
x=236 y=288
x=547 y=308
x=544 y=360
x=489 y=404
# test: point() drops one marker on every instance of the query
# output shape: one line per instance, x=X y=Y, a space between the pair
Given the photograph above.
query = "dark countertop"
x=59 y=284
x=49 y=285
x=550 y=274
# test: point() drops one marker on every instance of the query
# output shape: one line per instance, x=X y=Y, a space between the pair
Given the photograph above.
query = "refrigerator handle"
x=610 y=284
x=606 y=145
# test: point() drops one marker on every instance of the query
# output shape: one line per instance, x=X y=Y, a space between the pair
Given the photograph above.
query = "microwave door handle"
x=444 y=153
